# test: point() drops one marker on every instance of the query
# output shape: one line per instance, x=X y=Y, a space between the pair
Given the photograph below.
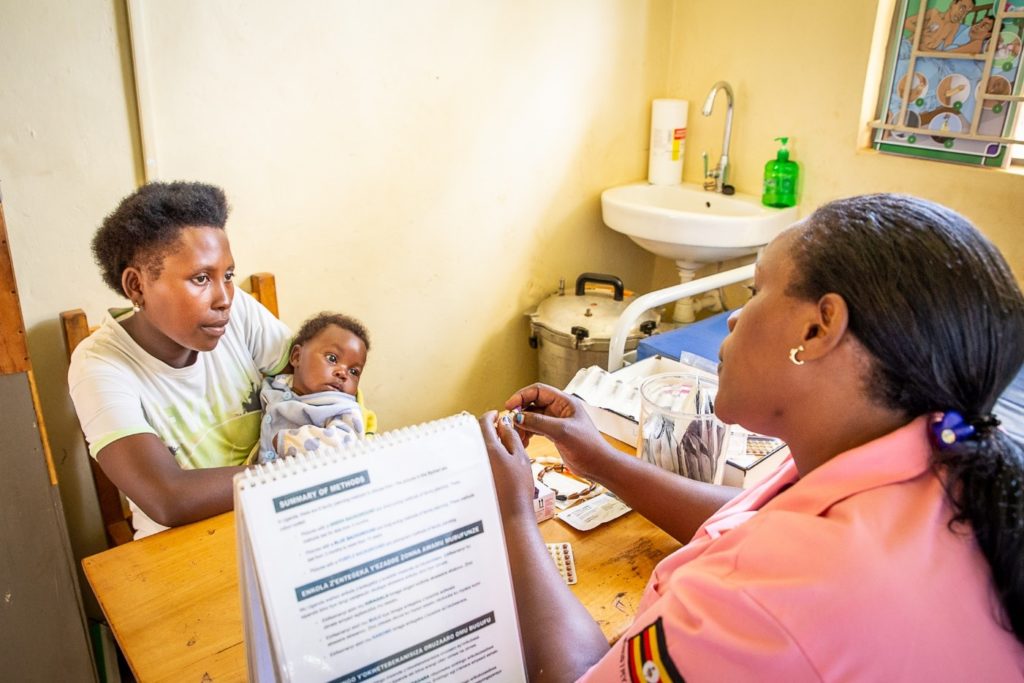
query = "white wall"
x=66 y=158
x=431 y=167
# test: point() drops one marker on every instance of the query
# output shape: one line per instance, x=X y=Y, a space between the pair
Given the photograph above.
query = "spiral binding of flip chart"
x=307 y=461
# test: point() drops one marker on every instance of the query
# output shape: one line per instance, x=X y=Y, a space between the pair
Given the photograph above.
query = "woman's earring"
x=792 y=355
x=136 y=306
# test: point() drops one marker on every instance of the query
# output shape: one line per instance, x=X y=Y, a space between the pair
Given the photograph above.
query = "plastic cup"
x=678 y=428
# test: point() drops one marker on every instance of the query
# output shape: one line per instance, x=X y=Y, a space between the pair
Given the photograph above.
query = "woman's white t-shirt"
x=208 y=414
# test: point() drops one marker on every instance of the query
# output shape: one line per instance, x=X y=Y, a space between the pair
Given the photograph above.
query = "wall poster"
x=943 y=83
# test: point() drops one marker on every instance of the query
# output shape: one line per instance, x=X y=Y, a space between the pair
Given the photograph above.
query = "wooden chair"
x=114 y=509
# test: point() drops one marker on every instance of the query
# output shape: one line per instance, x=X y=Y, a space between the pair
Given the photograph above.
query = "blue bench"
x=703 y=338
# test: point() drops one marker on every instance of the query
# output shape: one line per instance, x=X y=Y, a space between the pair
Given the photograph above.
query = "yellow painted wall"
x=798 y=69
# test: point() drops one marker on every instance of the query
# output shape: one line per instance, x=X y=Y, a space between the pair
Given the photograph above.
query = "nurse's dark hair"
x=938 y=309
x=146 y=224
x=321 y=321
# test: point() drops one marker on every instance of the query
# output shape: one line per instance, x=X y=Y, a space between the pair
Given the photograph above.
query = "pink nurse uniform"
x=850 y=573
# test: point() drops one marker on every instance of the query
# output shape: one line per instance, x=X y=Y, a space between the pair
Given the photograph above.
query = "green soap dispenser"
x=780 y=179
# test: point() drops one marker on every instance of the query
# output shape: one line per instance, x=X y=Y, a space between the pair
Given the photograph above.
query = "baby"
x=320 y=404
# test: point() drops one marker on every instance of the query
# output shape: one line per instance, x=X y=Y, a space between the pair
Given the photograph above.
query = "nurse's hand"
x=510 y=467
x=563 y=419
x=541 y=595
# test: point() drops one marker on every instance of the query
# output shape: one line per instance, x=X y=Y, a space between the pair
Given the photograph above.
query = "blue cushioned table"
x=701 y=338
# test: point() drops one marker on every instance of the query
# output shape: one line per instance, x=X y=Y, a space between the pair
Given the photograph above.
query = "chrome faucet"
x=715 y=179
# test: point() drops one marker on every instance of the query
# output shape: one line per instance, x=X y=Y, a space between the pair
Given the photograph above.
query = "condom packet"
x=594 y=512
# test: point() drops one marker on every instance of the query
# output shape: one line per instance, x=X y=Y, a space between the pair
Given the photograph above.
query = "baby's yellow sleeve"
x=369 y=417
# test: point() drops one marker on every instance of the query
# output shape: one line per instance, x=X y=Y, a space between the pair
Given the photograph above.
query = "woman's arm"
x=676 y=504
x=145 y=470
x=560 y=638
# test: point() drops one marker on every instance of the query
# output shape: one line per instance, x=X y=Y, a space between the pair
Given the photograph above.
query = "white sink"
x=692 y=226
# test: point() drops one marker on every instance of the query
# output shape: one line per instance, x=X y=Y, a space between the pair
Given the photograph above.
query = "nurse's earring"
x=792 y=355
x=136 y=307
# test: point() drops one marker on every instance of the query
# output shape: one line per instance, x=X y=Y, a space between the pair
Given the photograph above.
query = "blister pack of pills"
x=561 y=553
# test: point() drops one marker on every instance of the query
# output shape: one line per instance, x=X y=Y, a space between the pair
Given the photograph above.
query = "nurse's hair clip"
x=950 y=428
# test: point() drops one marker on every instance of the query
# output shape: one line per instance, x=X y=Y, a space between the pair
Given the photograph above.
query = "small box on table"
x=543 y=502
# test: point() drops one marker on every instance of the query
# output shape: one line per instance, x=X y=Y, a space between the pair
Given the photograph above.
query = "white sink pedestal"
x=686 y=308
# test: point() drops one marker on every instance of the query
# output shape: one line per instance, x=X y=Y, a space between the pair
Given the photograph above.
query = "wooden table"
x=173 y=600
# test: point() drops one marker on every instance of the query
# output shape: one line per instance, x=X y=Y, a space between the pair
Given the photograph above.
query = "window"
x=953 y=82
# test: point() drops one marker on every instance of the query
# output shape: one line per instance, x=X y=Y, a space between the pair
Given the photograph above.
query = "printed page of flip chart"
x=382 y=561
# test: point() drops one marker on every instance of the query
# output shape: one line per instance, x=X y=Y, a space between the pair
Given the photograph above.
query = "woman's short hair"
x=147 y=223
x=324 y=319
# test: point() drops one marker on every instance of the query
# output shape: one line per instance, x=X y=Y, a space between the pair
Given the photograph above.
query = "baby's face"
x=333 y=360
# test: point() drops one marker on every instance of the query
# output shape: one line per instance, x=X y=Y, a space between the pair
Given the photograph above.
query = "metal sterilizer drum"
x=572 y=331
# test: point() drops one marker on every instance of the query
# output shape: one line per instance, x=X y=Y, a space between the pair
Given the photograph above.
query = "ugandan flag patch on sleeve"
x=647 y=656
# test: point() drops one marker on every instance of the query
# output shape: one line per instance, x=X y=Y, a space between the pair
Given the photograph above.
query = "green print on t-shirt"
x=232 y=440
x=206 y=435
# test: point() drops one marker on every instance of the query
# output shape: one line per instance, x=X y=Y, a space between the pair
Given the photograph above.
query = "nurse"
x=889 y=546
